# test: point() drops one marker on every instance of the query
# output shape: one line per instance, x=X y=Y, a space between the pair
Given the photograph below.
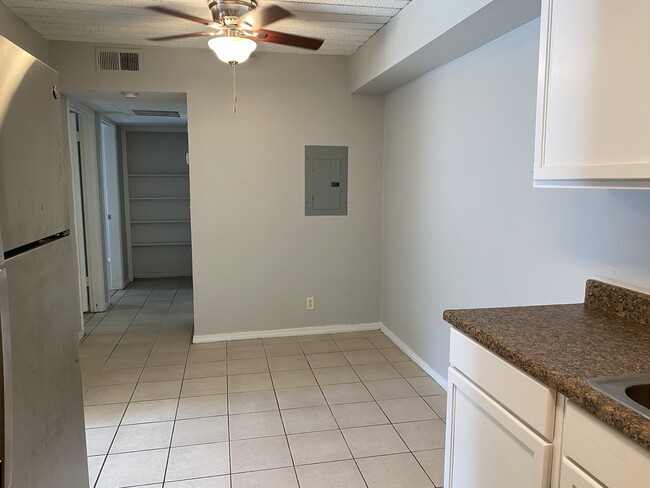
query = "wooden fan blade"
x=288 y=39
x=263 y=16
x=181 y=15
x=181 y=36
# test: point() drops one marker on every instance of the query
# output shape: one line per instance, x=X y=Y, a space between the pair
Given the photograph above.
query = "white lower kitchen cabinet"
x=608 y=457
x=487 y=446
x=571 y=476
x=505 y=429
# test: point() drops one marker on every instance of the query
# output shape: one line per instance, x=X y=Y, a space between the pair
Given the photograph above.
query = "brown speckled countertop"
x=564 y=345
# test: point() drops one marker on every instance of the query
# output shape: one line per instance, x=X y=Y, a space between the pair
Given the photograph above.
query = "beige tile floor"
x=346 y=410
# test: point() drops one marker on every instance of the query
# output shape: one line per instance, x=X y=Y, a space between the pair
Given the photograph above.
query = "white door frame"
x=115 y=246
x=76 y=230
x=92 y=198
x=70 y=124
x=127 y=206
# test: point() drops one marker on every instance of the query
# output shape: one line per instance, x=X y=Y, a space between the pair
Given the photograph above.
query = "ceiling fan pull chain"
x=234 y=87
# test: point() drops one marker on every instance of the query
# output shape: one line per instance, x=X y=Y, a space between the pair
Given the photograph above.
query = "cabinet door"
x=489 y=447
x=593 y=96
x=571 y=476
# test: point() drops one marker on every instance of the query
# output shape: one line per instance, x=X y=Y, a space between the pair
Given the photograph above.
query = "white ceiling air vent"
x=110 y=60
x=157 y=113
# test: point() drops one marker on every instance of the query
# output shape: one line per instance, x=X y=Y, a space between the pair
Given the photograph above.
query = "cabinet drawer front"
x=571 y=476
x=610 y=457
x=487 y=446
x=524 y=396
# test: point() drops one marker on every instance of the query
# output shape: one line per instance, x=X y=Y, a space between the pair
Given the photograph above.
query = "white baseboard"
x=416 y=359
x=324 y=329
x=261 y=334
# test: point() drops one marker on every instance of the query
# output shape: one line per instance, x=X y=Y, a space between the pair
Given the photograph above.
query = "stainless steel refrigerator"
x=43 y=443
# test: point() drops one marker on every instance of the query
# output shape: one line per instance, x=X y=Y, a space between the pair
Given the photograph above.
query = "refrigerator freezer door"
x=49 y=447
x=33 y=184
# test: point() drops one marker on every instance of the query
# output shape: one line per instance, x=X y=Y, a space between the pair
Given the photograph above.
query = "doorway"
x=159 y=201
x=132 y=189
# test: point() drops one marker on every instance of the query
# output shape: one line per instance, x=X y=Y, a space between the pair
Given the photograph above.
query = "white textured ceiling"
x=118 y=108
x=344 y=24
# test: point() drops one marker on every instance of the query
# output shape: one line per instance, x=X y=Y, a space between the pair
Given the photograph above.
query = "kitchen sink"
x=639 y=394
x=632 y=391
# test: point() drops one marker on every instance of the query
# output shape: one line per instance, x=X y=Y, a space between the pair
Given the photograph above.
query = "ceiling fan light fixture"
x=232 y=50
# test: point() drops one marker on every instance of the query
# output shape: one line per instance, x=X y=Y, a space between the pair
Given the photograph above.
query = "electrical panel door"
x=326 y=180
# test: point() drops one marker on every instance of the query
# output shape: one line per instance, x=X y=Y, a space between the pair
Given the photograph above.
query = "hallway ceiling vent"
x=157 y=113
x=110 y=61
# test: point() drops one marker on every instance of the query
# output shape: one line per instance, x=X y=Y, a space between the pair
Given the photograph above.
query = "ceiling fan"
x=236 y=25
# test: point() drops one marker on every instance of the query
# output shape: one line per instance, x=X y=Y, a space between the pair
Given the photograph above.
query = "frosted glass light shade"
x=232 y=49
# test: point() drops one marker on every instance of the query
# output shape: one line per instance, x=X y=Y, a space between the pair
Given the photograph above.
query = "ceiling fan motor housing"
x=230 y=9
x=241 y=22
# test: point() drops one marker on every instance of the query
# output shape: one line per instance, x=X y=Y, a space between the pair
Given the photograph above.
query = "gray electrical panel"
x=326 y=180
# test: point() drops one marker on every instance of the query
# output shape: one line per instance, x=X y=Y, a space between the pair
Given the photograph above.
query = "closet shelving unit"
x=159 y=203
x=152 y=196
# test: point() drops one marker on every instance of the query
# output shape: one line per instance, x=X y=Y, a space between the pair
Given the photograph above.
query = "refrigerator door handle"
x=5 y=331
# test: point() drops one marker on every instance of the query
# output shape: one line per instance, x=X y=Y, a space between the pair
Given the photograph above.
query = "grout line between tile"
x=334 y=417
x=310 y=368
x=178 y=400
x=129 y=402
x=228 y=414
x=286 y=437
x=125 y=409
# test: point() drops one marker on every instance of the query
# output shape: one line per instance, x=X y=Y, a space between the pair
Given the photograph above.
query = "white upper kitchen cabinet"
x=593 y=108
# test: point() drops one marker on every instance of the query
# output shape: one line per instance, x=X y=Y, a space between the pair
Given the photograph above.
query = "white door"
x=571 y=476
x=487 y=446
x=112 y=205
x=75 y=150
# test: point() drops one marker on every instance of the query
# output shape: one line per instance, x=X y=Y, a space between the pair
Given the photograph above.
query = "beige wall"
x=17 y=31
x=459 y=184
x=256 y=256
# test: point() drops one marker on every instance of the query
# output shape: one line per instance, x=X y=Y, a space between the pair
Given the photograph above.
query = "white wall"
x=429 y=33
x=415 y=26
x=463 y=226
x=17 y=31
x=256 y=256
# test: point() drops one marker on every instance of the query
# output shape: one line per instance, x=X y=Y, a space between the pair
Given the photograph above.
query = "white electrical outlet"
x=311 y=304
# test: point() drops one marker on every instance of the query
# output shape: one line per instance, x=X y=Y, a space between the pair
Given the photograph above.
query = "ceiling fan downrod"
x=234 y=87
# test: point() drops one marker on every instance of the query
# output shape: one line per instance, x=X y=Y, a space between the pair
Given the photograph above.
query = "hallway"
x=346 y=410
